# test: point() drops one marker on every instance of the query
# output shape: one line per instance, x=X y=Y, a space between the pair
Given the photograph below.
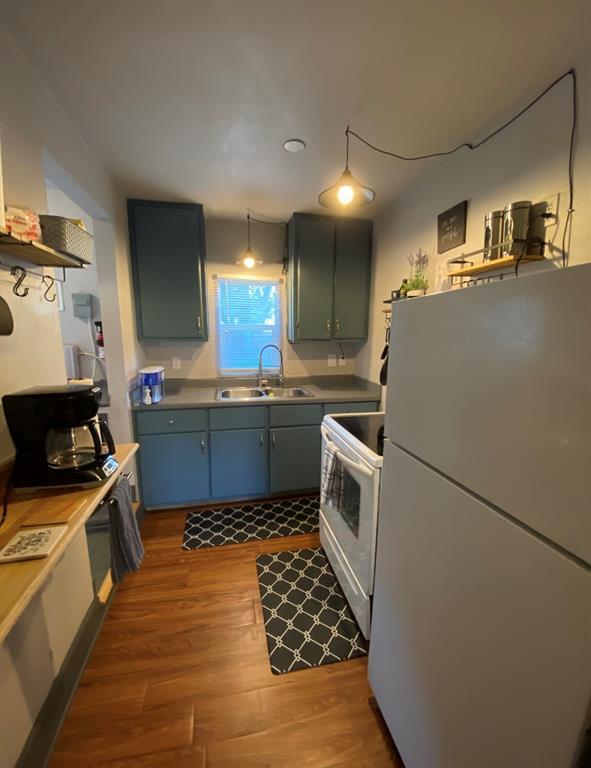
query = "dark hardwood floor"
x=180 y=677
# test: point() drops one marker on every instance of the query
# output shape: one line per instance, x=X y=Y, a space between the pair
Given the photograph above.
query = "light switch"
x=176 y=363
x=332 y=361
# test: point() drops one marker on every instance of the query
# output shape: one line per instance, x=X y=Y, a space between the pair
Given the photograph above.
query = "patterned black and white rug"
x=250 y=522
x=307 y=619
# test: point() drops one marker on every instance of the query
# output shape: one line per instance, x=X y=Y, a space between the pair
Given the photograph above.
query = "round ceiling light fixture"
x=294 y=145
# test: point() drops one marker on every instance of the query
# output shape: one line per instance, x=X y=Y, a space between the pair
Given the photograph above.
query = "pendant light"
x=347 y=192
x=248 y=258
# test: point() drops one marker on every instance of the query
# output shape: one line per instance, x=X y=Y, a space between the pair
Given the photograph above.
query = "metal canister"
x=516 y=227
x=493 y=231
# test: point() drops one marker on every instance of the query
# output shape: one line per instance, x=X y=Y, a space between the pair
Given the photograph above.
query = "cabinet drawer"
x=164 y=422
x=295 y=415
x=244 y=417
x=350 y=407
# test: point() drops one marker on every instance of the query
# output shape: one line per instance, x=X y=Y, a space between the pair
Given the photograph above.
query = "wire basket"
x=63 y=236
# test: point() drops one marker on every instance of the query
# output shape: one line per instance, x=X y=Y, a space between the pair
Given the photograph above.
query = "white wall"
x=527 y=161
x=75 y=330
x=32 y=125
x=225 y=242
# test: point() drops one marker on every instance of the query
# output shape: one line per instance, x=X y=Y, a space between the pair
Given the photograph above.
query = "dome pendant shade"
x=346 y=193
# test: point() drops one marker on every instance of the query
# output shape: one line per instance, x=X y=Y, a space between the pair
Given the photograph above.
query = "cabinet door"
x=313 y=264
x=238 y=463
x=168 y=255
x=352 y=278
x=295 y=458
x=174 y=469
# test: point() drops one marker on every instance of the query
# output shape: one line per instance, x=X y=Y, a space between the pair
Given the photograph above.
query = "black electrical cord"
x=467 y=144
x=571 y=163
x=5 y=501
x=262 y=221
x=276 y=224
x=474 y=145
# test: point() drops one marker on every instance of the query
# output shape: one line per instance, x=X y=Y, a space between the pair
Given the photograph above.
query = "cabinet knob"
x=328 y=327
x=337 y=325
x=199 y=323
x=273 y=439
x=202 y=445
x=261 y=439
x=171 y=421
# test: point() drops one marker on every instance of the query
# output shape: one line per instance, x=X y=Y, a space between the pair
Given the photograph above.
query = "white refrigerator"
x=480 y=652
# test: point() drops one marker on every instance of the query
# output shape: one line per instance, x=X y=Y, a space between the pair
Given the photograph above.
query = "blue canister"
x=151 y=384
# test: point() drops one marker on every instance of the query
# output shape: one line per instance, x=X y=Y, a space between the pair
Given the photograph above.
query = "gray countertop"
x=192 y=393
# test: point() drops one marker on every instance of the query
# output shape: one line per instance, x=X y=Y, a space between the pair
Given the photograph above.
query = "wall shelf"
x=33 y=251
x=492 y=266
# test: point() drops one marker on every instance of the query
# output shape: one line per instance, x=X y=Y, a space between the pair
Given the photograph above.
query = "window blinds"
x=248 y=316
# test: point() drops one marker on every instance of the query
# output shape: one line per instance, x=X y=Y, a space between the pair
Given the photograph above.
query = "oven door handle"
x=356 y=466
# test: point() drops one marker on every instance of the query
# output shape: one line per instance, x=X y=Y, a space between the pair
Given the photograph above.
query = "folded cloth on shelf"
x=127 y=549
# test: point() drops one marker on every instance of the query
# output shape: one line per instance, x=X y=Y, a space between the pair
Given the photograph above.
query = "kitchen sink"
x=286 y=392
x=239 y=393
x=254 y=393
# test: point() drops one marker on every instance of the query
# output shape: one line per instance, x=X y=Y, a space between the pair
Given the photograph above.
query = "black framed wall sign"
x=451 y=227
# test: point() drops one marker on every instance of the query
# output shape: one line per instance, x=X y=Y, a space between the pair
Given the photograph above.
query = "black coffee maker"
x=58 y=437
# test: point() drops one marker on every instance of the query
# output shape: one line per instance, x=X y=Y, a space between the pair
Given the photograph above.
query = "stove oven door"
x=348 y=501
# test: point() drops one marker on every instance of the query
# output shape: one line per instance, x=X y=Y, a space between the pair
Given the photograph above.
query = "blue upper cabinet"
x=329 y=271
x=167 y=242
x=353 y=241
x=311 y=277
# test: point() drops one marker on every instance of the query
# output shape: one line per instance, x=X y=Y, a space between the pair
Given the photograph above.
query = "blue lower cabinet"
x=238 y=463
x=294 y=458
x=174 y=469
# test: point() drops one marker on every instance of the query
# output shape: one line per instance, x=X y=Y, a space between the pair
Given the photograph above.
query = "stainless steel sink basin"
x=240 y=393
x=255 y=393
x=286 y=392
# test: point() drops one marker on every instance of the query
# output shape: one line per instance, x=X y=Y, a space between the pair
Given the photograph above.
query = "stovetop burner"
x=367 y=428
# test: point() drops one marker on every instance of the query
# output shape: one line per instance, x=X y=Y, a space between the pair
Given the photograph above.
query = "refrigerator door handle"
x=356 y=466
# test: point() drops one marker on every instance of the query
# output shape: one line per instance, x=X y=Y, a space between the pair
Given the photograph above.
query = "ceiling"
x=192 y=99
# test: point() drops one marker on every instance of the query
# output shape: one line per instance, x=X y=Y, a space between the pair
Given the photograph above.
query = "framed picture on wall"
x=451 y=227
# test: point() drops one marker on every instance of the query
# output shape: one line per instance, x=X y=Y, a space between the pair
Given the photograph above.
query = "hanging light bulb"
x=347 y=191
x=248 y=258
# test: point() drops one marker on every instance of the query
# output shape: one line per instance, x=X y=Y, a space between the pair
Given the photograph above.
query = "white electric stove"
x=352 y=447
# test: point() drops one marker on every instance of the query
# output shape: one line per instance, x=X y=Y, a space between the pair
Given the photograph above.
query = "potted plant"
x=417 y=284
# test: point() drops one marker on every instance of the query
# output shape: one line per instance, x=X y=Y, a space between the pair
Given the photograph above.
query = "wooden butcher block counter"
x=20 y=581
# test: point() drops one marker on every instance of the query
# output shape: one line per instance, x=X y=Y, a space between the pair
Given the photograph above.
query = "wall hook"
x=49 y=282
x=22 y=273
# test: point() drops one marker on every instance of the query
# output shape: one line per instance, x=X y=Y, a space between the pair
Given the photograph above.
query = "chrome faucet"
x=262 y=381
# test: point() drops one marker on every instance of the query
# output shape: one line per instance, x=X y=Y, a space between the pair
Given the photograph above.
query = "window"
x=248 y=317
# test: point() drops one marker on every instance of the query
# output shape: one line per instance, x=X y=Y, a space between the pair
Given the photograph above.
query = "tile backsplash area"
x=225 y=241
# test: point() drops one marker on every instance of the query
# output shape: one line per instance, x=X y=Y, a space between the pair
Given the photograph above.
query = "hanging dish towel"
x=332 y=480
x=127 y=549
x=384 y=368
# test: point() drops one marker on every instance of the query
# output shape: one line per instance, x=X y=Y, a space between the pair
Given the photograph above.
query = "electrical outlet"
x=332 y=361
x=551 y=204
x=342 y=361
x=176 y=363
